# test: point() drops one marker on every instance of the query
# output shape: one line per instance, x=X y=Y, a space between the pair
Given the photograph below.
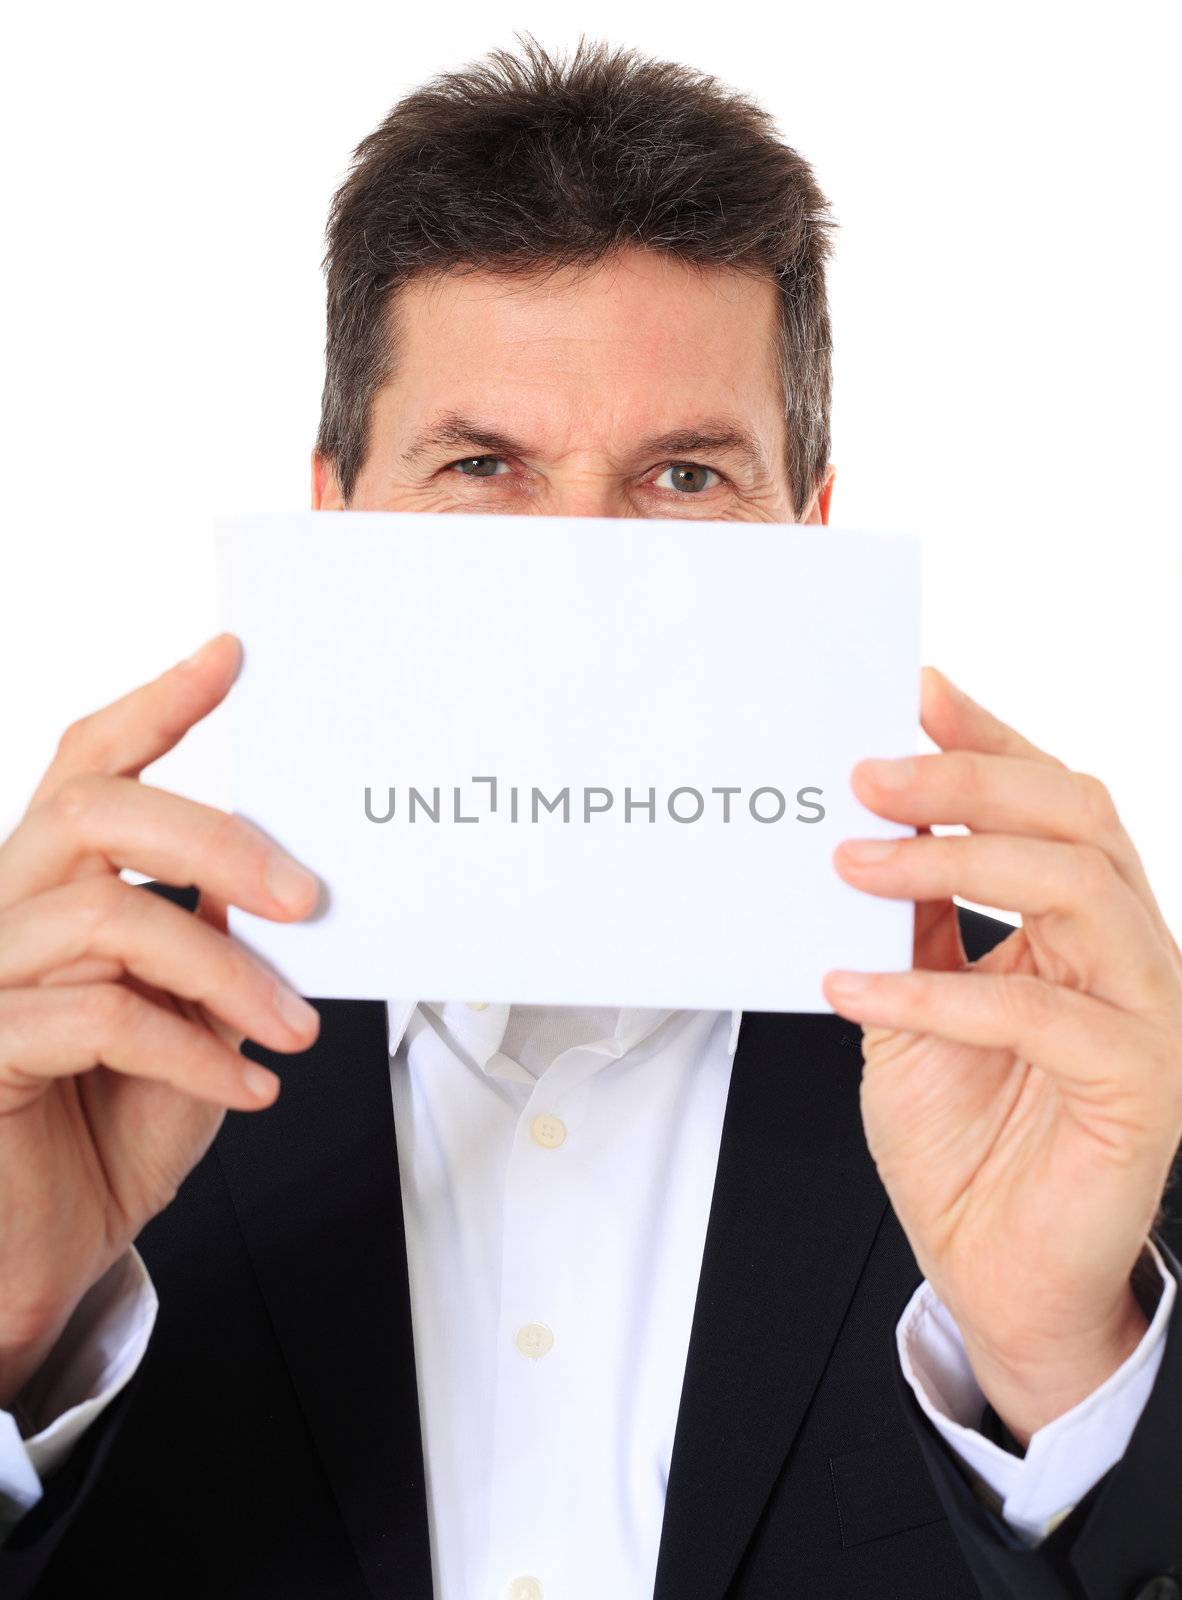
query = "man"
x=516 y=1301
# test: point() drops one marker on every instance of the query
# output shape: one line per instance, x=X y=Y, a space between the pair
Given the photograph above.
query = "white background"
x=1004 y=293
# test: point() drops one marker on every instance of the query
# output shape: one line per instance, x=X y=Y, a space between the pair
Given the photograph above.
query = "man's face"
x=639 y=388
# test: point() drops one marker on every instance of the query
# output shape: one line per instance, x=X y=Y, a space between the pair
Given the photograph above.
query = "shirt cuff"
x=98 y=1351
x=1068 y=1455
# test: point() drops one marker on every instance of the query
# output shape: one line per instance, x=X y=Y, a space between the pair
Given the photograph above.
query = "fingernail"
x=867 y=852
x=260 y=1083
x=294 y=1010
x=295 y=888
x=848 y=982
x=889 y=774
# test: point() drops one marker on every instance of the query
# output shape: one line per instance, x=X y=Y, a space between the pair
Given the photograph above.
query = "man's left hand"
x=1023 y=1110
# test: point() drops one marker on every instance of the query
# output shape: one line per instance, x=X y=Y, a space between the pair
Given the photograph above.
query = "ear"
x=326 y=491
x=818 y=507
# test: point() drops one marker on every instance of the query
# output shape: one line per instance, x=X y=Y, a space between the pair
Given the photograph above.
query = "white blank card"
x=571 y=761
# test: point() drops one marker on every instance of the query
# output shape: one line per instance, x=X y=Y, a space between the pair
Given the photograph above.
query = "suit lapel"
x=315 y=1184
x=796 y=1205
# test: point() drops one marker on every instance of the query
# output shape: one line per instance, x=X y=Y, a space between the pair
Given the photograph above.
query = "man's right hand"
x=121 y=1015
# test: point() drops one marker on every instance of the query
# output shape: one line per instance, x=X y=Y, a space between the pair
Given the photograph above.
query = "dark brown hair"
x=526 y=163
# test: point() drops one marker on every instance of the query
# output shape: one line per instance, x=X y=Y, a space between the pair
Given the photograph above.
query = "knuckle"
x=108 y=1009
x=230 y=836
x=951 y=853
x=11 y=1016
x=1094 y=869
x=921 y=990
x=237 y=970
x=84 y=741
x=222 y=972
x=235 y=844
x=1099 y=808
x=101 y=899
x=73 y=803
x=1031 y=1003
x=74 y=738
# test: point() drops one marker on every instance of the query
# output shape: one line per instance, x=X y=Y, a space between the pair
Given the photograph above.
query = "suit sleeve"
x=32 y=1544
x=1035 y=1488
x=1123 y=1538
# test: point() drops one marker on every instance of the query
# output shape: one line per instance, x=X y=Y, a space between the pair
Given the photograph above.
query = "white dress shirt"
x=557 y=1168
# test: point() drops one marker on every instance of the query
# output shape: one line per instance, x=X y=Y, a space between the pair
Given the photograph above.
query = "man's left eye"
x=687 y=478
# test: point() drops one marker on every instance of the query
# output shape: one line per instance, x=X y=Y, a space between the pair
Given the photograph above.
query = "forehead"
x=639 y=337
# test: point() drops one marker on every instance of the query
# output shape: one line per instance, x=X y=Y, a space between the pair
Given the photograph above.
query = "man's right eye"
x=480 y=466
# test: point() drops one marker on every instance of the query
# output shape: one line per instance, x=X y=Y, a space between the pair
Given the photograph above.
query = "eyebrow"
x=715 y=434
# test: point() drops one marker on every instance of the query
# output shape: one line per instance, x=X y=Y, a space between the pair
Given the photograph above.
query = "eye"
x=687 y=477
x=479 y=466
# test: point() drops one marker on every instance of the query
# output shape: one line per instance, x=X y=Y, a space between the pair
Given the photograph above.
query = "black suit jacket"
x=270 y=1448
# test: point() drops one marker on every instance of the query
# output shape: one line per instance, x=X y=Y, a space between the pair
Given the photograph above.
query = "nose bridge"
x=586 y=486
x=597 y=504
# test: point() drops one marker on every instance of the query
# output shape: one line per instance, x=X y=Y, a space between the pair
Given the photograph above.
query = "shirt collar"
x=480 y=1027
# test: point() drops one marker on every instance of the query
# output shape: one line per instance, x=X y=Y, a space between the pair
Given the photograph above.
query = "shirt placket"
x=542 y=1339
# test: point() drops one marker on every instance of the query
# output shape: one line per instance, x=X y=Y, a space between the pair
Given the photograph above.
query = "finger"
x=95 y=969
x=126 y=735
x=212 y=909
x=1002 y=794
x=157 y=833
x=59 y=1032
x=1090 y=929
x=937 y=942
x=957 y=722
x=161 y=945
x=936 y=937
x=1075 y=1037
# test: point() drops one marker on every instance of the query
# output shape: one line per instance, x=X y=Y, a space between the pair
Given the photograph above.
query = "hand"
x=1024 y=1110
x=121 y=1015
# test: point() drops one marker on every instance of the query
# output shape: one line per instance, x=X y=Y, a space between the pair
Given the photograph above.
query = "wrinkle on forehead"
x=589 y=355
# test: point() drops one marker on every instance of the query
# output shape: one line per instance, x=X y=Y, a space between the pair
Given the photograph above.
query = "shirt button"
x=534 y=1339
x=547 y=1131
x=524 y=1589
